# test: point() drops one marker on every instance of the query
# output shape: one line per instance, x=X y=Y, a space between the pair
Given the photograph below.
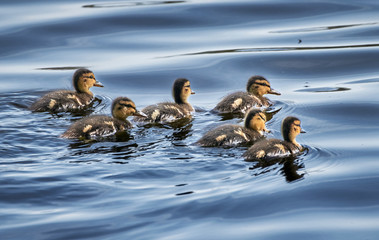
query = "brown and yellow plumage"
x=66 y=100
x=241 y=102
x=168 y=111
x=230 y=135
x=275 y=148
x=100 y=125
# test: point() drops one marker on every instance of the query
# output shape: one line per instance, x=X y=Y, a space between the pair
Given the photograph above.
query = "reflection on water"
x=129 y=4
x=288 y=167
x=315 y=29
x=324 y=89
x=276 y=49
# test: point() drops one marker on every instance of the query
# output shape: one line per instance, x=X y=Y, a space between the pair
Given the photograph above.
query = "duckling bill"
x=66 y=100
x=230 y=135
x=101 y=125
x=168 y=111
x=241 y=102
x=275 y=148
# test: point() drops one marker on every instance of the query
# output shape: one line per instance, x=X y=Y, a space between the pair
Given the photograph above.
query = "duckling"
x=66 y=100
x=230 y=135
x=168 y=111
x=240 y=102
x=100 y=125
x=275 y=148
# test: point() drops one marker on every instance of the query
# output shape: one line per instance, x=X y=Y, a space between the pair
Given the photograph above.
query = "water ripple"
x=316 y=29
x=277 y=49
x=130 y=4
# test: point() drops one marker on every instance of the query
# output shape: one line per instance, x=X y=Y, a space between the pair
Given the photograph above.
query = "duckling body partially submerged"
x=168 y=111
x=241 y=102
x=230 y=135
x=66 y=100
x=100 y=125
x=275 y=148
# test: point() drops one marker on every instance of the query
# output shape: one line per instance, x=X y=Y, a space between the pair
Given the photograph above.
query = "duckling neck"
x=258 y=95
x=293 y=141
x=180 y=100
x=85 y=91
x=120 y=117
x=187 y=106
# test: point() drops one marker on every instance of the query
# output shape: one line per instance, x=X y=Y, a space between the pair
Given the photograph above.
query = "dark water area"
x=154 y=183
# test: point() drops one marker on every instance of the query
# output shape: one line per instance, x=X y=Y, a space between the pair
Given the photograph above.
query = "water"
x=155 y=184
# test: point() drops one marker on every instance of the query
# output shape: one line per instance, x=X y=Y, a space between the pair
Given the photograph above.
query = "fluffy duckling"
x=66 y=100
x=100 y=125
x=275 y=148
x=169 y=111
x=233 y=135
x=241 y=102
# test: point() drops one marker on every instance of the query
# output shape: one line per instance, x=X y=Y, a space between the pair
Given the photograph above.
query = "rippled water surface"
x=323 y=56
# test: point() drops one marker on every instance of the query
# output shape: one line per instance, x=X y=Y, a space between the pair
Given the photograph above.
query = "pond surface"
x=323 y=56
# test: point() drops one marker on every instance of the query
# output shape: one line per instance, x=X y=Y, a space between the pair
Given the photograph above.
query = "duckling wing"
x=61 y=101
x=163 y=113
x=238 y=102
x=228 y=136
x=268 y=149
x=95 y=126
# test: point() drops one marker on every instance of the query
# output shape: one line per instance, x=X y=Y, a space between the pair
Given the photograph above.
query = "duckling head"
x=256 y=119
x=123 y=107
x=83 y=80
x=260 y=86
x=181 y=90
x=291 y=128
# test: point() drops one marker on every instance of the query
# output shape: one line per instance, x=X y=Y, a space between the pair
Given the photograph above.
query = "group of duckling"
x=251 y=103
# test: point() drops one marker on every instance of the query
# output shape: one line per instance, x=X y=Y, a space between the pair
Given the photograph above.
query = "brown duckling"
x=241 y=102
x=100 y=125
x=66 y=100
x=230 y=135
x=169 y=111
x=275 y=148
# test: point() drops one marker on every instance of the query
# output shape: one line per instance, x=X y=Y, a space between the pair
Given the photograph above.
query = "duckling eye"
x=262 y=84
x=129 y=106
x=119 y=108
x=262 y=118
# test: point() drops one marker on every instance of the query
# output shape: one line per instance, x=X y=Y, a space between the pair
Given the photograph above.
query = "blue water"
x=155 y=184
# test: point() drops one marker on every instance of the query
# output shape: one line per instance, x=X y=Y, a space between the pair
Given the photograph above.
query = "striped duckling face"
x=291 y=127
x=84 y=79
x=181 y=90
x=123 y=107
x=256 y=120
x=260 y=86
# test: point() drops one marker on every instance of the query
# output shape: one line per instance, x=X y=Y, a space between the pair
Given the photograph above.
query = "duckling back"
x=164 y=112
x=61 y=101
x=96 y=126
x=270 y=149
x=240 y=102
x=229 y=136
